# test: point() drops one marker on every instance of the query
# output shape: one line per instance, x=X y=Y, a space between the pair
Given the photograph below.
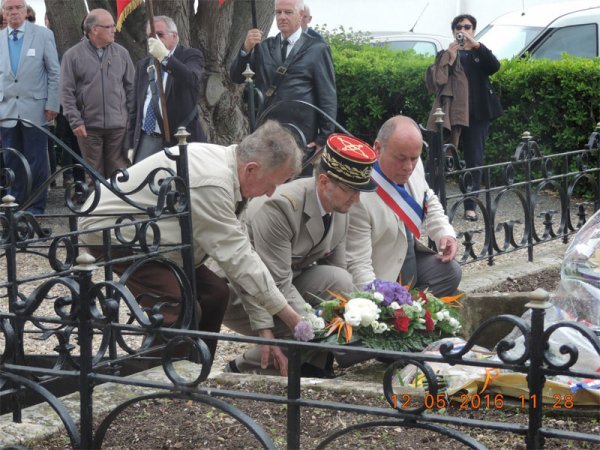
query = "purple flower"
x=391 y=292
x=304 y=331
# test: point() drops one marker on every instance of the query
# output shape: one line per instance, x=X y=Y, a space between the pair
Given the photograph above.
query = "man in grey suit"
x=29 y=81
x=292 y=66
x=300 y=235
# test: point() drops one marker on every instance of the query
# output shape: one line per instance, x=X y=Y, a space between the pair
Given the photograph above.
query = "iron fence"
x=530 y=200
x=97 y=328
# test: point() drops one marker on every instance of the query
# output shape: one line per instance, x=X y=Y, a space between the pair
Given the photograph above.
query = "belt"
x=153 y=134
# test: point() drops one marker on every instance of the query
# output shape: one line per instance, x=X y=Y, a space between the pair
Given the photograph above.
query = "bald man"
x=386 y=226
x=96 y=92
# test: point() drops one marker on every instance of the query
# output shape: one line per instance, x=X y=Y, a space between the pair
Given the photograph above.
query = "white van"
x=546 y=31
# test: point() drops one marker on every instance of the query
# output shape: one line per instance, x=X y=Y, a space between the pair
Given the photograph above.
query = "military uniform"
x=305 y=260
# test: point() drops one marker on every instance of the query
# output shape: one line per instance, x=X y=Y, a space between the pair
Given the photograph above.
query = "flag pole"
x=157 y=66
x=253 y=8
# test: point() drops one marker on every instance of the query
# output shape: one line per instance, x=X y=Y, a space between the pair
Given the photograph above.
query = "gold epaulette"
x=291 y=199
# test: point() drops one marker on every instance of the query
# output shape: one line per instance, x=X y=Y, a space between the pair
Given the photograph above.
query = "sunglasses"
x=460 y=27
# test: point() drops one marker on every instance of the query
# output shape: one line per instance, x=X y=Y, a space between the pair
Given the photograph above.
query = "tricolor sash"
x=400 y=201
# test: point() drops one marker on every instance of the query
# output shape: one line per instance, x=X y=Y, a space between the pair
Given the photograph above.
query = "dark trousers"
x=160 y=285
x=441 y=278
x=148 y=146
x=33 y=145
x=472 y=141
x=64 y=133
x=104 y=149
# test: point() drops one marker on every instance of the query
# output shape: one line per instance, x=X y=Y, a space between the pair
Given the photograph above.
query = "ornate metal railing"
x=98 y=329
x=530 y=200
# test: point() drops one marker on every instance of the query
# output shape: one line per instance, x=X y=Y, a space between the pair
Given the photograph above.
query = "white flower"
x=442 y=315
x=307 y=308
x=454 y=323
x=380 y=328
x=378 y=296
x=317 y=323
x=395 y=306
x=418 y=306
x=352 y=318
x=361 y=309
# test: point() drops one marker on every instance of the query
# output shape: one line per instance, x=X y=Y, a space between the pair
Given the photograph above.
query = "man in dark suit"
x=182 y=71
x=29 y=78
x=292 y=66
x=306 y=19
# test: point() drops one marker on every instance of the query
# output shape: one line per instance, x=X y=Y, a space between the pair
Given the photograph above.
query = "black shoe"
x=231 y=367
x=309 y=371
x=471 y=215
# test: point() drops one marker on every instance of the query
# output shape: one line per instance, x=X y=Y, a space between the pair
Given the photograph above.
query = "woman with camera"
x=460 y=79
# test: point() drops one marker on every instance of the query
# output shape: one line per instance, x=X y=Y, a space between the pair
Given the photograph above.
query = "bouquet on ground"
x=384 y=316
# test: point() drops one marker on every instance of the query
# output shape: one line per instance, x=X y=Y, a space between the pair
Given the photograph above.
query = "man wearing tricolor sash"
x=385 y=228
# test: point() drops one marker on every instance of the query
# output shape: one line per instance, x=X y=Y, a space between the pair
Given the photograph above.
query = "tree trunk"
x=218 y=31
x=66 y=26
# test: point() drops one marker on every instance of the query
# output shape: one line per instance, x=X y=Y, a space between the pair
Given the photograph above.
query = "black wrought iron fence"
x=529 y=200
x=97 y=330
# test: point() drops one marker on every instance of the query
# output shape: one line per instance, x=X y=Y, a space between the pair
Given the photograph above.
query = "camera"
x=460 y=38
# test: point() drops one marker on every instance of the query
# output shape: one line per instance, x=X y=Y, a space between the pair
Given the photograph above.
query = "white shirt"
x=292 y=39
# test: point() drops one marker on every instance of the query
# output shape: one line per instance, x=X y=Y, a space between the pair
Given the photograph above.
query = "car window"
x=577 y=40
x=421 y=47
x=507 y=41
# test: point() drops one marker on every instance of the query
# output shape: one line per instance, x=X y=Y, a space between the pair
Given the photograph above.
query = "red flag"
x=124 y=8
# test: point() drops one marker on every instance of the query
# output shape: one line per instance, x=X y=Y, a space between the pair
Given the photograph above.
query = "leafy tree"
x=218 y=31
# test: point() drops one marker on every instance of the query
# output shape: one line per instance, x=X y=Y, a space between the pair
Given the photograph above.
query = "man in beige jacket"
x=300 y=234
x=221 y=181
x=383 y=227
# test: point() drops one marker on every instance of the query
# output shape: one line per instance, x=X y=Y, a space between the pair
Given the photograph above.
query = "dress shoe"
x=471 y=215
x=231 y=367
x=309 y=371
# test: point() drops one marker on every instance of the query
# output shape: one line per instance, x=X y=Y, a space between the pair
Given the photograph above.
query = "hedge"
x=558 y=102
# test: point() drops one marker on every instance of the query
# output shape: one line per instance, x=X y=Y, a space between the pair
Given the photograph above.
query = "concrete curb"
x=492 y=276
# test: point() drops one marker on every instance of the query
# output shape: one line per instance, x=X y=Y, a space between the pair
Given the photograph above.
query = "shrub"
x=558 y=102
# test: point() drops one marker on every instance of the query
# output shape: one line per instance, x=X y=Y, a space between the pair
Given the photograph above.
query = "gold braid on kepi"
x=350 y=161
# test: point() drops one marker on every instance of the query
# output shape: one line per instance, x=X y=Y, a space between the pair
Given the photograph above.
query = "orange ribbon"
x=491 y=375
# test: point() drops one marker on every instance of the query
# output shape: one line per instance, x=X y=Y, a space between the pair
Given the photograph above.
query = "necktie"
x=239 y=207
x=284 y=48
x=326 y=223
x=15 y=35
x=149 y=125
x=408 y=274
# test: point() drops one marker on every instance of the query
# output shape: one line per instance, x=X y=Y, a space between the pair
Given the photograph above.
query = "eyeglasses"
x=344 y=187
x=107 y=27
x=460 y=27
x=13 y=8
x=161 y=34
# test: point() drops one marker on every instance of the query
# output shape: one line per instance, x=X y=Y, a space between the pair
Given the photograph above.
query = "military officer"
x=300 y=234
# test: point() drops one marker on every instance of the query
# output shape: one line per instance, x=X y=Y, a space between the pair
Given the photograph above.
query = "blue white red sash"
x=401 y=202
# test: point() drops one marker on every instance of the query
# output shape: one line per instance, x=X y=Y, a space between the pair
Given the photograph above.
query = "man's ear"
x=251 y=167
x=323 y=180
x=377 y=147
